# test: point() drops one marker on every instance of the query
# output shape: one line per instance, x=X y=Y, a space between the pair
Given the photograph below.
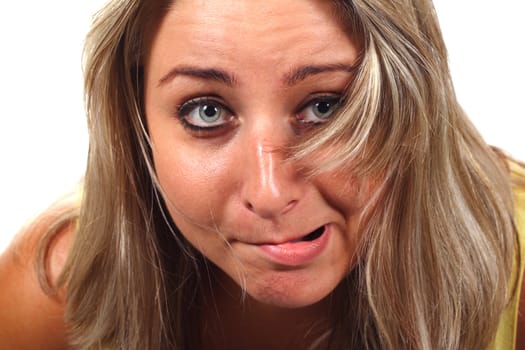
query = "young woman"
x=273 y=175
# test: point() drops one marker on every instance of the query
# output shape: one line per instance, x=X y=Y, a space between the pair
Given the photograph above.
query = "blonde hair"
x=434 y=268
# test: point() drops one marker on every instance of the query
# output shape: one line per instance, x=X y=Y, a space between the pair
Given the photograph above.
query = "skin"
x=232 y=189
x=241 y=184
x=30 y=318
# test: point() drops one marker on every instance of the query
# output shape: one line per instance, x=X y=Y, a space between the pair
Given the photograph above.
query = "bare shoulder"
x=32 y=318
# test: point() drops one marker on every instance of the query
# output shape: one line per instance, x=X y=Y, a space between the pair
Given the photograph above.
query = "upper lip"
x=286 y=239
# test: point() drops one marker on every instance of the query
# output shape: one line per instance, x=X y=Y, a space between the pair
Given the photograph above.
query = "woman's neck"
x=231 y=320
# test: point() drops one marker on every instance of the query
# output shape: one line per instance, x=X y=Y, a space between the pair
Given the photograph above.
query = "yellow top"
x=506 y=335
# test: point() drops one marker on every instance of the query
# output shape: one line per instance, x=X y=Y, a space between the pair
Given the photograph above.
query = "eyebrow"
x=292 y=78
x=303 y=72
x=213 y=74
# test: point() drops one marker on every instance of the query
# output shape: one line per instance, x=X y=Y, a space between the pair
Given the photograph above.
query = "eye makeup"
x=209 y=115
x=204 y=115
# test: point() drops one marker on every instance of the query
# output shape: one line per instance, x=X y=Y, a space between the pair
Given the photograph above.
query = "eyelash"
x=334 y=101
x=186 y=109
x=190 y=106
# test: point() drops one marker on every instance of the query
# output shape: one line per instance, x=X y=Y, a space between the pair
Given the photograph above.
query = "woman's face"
x=229 y=85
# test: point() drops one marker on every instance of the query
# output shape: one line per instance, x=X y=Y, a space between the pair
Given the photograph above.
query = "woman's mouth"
x=300 y=251
x=311 y=236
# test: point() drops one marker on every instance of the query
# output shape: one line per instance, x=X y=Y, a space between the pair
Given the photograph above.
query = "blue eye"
x=204 y=113
x=319 y=110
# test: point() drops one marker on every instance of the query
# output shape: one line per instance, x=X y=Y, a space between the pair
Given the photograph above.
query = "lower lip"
x=296 y=253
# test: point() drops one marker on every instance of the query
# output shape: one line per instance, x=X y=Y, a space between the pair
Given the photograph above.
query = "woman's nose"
x=271 y=186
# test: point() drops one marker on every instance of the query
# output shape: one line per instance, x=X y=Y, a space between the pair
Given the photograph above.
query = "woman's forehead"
x=246 y=32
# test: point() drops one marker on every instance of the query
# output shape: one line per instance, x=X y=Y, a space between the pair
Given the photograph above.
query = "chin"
x=285 y=292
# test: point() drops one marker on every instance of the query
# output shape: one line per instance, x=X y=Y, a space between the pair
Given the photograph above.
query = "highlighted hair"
x=433 y=271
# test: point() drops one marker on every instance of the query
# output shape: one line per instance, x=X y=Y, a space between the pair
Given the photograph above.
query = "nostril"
x=270 y=208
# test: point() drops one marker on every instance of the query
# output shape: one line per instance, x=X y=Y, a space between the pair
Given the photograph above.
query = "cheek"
x=341 y=191
x=353 y=198
x=193 y=184
x=196 y=188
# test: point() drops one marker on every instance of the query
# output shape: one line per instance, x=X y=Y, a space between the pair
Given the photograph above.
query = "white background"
x=43 y=138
